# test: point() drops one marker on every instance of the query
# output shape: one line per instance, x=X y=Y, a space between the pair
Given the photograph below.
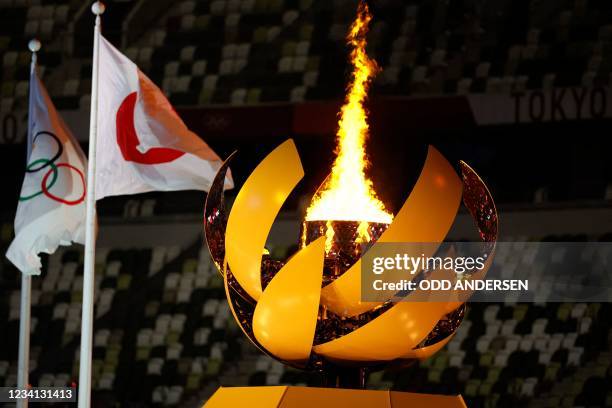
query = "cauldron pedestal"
x=308 y=397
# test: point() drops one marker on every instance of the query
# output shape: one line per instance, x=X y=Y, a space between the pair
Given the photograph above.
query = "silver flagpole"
x=24 y=337
x=23 y=365
x=23 y=368
x=90 y=233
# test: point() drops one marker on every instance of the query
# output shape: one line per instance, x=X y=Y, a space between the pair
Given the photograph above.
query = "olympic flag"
x=143 y=145
x=51 y=209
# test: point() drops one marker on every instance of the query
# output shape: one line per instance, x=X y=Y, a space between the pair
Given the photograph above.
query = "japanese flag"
x=142 y=144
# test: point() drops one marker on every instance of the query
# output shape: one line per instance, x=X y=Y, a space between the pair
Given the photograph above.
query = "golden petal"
x=426 y=216
x=254 y=211
x=391 y=335
x=285 y=317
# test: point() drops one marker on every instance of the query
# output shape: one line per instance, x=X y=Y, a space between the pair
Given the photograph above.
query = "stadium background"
x=518 y=89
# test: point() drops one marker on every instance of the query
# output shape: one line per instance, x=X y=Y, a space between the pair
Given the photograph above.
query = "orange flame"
x=348 y=195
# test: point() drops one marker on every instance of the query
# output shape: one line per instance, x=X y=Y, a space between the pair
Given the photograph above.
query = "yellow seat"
x=124 y=282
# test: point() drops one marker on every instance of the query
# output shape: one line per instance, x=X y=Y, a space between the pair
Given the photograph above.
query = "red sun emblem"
x=127 y=138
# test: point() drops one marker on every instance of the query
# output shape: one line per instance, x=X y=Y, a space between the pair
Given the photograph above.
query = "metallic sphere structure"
x=307 y=312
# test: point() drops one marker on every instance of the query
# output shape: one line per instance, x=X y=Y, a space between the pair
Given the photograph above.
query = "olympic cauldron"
x=306 y=311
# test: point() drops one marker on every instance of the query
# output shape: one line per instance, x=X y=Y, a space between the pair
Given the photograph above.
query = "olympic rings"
x=42 y=163
x=53 y=180
x=60 y=150
x=45 y=189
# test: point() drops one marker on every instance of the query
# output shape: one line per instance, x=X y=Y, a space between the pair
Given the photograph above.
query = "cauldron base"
x=307 y=397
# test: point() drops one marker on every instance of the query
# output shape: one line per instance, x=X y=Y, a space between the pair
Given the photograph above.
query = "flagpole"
x=23 y=368
x=24 y=337
x=23 y=364
x=84 y=400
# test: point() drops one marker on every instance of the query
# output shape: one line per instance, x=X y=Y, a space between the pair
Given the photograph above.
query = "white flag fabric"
x=143 y=145
x=51 y=209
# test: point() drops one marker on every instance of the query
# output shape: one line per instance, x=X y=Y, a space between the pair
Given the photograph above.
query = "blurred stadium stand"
x=164 y=336
x=163 y=333
x=230 y=51
x=222 y=61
